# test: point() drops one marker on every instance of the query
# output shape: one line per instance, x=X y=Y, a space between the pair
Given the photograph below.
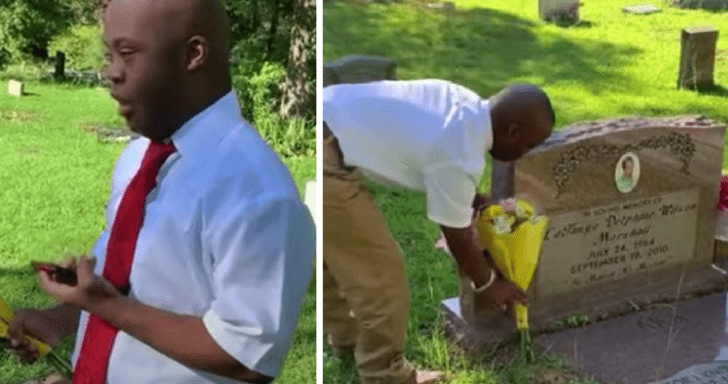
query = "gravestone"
x=359 y=69
x=631 y=206
x=697 y=57
x=714 y=5
x=559 y=10
x=642 y=9
x=15 y=88
x=60 y=64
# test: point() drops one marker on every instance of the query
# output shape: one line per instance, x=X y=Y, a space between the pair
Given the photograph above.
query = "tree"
x=26 y=26
x=297 y=92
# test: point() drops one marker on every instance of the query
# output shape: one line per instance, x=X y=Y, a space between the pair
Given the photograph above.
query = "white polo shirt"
x=426 y=135
x=225 y=237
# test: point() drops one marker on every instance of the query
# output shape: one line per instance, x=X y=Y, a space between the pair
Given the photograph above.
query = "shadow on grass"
x=714 y=90
x=483 y=49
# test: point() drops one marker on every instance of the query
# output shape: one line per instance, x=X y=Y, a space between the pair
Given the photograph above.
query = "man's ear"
x=514 y=132
x=197 y=52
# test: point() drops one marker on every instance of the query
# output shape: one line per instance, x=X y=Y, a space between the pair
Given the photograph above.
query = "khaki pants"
x=366 y=295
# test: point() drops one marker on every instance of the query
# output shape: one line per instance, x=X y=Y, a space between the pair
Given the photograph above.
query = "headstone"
x=559 y=10
x=714 y=5
x=631 y=206
x=311 y=200
x=359 y=69
x=667 y=344
x=697 y=57
x=15 y=88
x=642 y=9
x=60 y=64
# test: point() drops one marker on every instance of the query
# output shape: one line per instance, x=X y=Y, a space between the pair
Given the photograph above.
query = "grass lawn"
x=55 y=178
x=612 y=64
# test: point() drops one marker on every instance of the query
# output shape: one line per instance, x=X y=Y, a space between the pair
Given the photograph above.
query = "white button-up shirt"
x=225 y=237
x=426 y=135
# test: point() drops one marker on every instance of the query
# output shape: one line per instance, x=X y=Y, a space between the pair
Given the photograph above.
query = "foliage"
x=26 y=26
x=82 y=45
x=257 y=95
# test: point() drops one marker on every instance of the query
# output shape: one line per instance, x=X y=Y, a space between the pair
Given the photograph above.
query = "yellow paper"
x=515 y=254
x=7 y=315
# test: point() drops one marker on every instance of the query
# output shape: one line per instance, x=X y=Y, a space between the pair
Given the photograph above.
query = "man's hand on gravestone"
x=502 y=293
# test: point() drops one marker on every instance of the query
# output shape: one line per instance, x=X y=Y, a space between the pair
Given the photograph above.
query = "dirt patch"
x=555 y=376
x=109 y=134
x=17 y=116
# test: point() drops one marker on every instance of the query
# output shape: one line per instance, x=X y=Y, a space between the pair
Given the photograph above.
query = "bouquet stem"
x=524 y=334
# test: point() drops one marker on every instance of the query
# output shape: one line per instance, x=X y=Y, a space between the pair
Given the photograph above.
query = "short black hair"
x=624 y=162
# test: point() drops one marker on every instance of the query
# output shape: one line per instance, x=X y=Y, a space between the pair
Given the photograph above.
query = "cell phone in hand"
x=56 y=272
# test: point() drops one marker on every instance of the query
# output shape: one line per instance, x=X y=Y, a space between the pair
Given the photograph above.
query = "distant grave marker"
x=697 y=57
x=359 y=69
x=60 y=64
x=642 y=9
x=15 y=88
x=559 y=10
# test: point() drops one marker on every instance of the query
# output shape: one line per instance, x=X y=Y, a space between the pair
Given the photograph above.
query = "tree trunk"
x=295 y=91
x=273 y=28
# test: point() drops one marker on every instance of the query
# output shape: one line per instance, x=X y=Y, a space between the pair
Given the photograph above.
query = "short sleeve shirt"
x=425 y=135
x=225 y=237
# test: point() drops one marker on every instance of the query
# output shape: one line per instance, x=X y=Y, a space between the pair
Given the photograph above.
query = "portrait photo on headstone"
x=627 y=172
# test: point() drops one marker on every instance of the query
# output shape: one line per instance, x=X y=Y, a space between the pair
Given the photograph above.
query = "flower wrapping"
x=513 y=234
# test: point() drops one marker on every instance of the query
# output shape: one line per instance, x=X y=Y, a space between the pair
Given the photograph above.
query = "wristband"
x=486 y=285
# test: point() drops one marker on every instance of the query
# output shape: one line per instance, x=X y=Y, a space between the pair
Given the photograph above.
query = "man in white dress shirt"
x=225 y=251
x=424 y=135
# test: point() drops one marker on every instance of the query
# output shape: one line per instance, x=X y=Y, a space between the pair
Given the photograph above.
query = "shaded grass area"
x=611 y=65
x=55 y=175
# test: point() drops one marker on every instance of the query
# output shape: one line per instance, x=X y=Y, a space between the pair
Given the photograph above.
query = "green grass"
x=55 y=182
x=611 y=65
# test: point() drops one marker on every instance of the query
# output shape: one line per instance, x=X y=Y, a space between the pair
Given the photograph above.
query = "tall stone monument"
x=697 y=57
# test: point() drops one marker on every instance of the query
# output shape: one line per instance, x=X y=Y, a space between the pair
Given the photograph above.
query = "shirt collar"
x=209 y=126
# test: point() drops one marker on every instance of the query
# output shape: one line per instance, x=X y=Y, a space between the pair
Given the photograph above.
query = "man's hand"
x=480 y=203
x=501 y=294
x=47 y=325
x=90 y=292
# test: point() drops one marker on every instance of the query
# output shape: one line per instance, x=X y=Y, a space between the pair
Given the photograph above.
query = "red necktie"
x=93 y=360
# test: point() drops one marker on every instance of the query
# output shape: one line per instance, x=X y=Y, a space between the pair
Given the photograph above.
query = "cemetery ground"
x=57 y=152
x=611 y=64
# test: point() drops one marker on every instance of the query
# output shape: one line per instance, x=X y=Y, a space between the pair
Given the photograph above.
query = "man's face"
x=527 y=139
x=143 y=67
x=628 y=167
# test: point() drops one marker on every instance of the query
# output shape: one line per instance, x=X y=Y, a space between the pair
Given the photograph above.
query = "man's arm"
x=182 y=338
x=463 y=243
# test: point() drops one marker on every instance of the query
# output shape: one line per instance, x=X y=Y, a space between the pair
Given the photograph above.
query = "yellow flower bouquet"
x=513 y=233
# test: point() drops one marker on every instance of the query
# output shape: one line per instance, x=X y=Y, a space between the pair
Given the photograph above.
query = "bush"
x=82 y=45
x=258 y=93
x=26 y=26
